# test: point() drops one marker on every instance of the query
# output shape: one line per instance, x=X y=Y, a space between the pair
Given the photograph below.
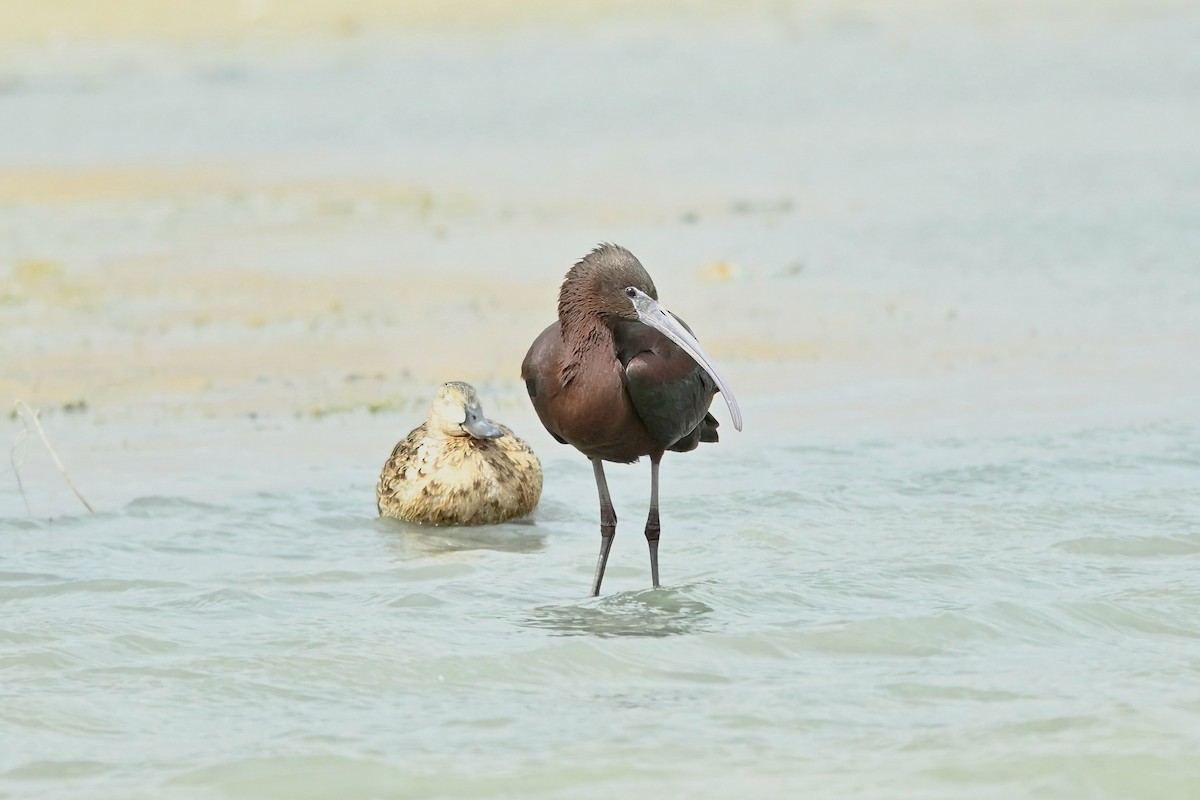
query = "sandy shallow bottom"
x=947 y=260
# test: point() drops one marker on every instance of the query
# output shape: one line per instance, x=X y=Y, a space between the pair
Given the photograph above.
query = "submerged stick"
x=28 y=414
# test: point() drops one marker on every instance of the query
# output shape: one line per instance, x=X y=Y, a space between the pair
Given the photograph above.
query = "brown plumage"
x=459 y=468
x=619 y=377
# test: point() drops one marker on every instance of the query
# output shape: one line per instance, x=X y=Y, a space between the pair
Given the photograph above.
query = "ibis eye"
x=630 y=292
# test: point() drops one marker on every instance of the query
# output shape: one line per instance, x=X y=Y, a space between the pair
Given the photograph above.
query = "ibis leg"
x=652 y=527
x=608 y=524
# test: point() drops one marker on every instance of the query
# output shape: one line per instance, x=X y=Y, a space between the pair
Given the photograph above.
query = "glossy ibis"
x=619 y=377
x=459 y=467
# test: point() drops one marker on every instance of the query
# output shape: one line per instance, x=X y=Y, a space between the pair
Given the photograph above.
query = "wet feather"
x=441 y=475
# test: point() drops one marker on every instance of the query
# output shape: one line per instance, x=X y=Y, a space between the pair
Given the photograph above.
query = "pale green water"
x=955 y=554
x=995 y=617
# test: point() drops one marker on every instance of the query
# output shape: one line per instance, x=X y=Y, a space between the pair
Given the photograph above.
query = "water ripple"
x=1132 y=546
x=651 y=612
x=101 y=586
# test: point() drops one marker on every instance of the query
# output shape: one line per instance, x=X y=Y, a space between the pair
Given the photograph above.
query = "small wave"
x=433 y=540
x=217 y=599
x=911 y=637
x=936 y=693
x=148 y=645
x=22 y=577
x=310 y=578
x=649 y=612
x=37 y=661
x=1131 y=619
x=102 y=585
x=21 y=524
x=57 y=770
x=1131 y=546
x=416 y=600
x=155 y=506
x=295 y=776
x=63 y=522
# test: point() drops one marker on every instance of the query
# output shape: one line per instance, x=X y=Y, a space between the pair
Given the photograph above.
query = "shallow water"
x=949 y=265
x=1009 y=615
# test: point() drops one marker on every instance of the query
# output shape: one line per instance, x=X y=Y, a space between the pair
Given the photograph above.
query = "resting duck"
x=459 y=467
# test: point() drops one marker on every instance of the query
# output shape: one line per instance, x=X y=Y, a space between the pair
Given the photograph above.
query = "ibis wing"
x=539 y=371
x=670 y=391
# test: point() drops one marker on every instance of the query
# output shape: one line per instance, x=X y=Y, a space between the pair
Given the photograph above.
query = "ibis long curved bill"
x=652 y=313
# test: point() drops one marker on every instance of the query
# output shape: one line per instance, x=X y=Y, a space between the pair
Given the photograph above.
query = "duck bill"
x=651 y=312
x=479 y=426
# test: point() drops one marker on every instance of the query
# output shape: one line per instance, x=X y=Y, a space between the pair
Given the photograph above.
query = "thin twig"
x=27 y=413
x=20 y=445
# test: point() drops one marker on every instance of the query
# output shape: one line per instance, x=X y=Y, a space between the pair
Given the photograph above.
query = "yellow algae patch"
x=94 y=185
x=27 y=20
x=247 y=340
x=719 y=271
x=73 y=186
x=45 y=280
x=37 y=273
x=38 y=21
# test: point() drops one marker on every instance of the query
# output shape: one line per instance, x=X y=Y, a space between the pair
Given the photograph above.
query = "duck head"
x=456 y=412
